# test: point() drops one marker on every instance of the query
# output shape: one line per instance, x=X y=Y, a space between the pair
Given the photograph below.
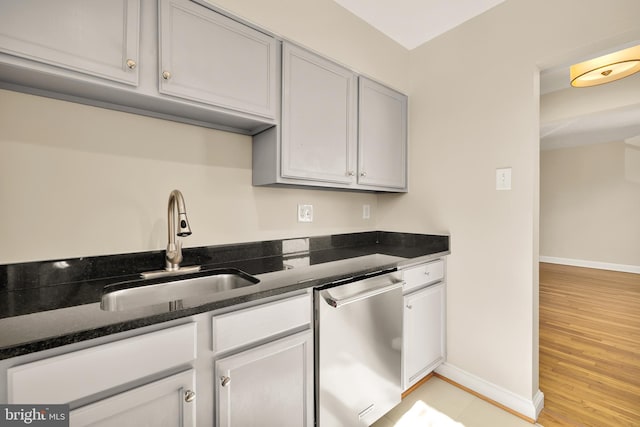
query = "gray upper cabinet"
x=338 y=130
x=217 y=71
x=98 y=38
x=382 y=136
x=318 y=118
x=209 y=58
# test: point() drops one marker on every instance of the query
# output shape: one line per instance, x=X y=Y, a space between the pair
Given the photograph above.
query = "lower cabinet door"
x=169 y=402
x=269 y=385
x=423 y=333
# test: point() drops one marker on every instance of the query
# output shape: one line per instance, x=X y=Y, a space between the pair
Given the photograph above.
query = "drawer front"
x=424 y=274
x=243 y=327
x=68 y=377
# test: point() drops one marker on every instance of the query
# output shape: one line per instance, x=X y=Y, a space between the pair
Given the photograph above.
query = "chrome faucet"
x=173 y=256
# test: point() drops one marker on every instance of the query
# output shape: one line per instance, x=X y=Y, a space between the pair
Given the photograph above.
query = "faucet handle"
x=174 y=255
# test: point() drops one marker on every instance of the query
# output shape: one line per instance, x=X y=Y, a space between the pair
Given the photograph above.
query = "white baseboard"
x=530 y=408
x=592 y=264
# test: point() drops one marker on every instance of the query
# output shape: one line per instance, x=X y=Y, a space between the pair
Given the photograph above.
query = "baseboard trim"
x=592 y=264
x=526 y=409
x=417 y=385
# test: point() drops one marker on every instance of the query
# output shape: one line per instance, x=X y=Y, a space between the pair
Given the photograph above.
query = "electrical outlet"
x=305 y=213
x=366 y=211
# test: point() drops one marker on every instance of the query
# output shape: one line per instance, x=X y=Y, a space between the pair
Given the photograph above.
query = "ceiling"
x=619 y=124
x=615 y=123
x=413 y=22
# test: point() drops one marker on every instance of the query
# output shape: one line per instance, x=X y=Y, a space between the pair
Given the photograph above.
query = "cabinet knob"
x=224 y=381
x=409 y=306
x=351 y=173
x=189 y=396
x=166 y=75
x=131 y=64
x=426 y=272
x=363 y=174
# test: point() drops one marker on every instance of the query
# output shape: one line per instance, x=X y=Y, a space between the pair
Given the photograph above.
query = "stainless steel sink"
x=174 y=289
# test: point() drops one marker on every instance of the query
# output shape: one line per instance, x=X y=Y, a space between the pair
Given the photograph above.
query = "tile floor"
x=462 y=408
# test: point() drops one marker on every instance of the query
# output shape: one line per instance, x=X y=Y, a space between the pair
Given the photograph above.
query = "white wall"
x=474 y=108
x=590 y=203
x=81 y=181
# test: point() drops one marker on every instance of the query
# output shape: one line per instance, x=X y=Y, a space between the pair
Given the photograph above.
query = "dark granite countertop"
x=53 y=303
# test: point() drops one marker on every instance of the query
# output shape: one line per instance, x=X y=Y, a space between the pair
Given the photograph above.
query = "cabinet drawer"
x=243 y=327
x=424 y=274
x=65 y=378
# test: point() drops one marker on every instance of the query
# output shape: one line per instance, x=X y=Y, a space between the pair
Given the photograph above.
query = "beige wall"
x=81 y=181
x=474 y=108
x=590 y=203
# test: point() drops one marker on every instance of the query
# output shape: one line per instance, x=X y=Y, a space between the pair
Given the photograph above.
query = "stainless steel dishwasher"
x=358 y=350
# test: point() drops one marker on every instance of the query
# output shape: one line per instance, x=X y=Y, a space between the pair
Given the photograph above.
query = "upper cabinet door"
x=382 y=136
x=95 y=37
x=318 y=118
x=209 y=58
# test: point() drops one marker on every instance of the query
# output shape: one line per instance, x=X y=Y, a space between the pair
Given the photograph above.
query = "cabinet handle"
x=131 y=64
x=166 y=75
x=224 y=381
x=189 y=396
x=363 y=174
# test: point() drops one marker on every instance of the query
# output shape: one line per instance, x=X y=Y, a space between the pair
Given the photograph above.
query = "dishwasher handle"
x=340 y=302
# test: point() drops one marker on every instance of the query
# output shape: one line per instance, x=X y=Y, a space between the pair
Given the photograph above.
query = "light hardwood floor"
x=589 y=347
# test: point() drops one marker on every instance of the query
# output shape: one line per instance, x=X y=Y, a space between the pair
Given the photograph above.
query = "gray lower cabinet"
x=146 y=379
x=251 y=366
x=269 y=385
x=209 y=58
x=423 y=321
x=264 y=364
x=168 y=402
x=338 y=129
x=97 y=38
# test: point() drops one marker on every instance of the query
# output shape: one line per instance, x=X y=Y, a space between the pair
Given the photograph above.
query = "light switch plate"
x=503 y=179
x=366 y=211
x=305 y=213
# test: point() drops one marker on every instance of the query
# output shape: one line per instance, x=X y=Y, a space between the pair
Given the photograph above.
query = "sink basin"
x=172 y=290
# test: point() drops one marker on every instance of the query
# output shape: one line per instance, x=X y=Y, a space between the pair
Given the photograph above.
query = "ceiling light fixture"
x=607 y=68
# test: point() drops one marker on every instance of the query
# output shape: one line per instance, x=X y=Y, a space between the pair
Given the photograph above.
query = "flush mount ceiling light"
x=607 y=68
